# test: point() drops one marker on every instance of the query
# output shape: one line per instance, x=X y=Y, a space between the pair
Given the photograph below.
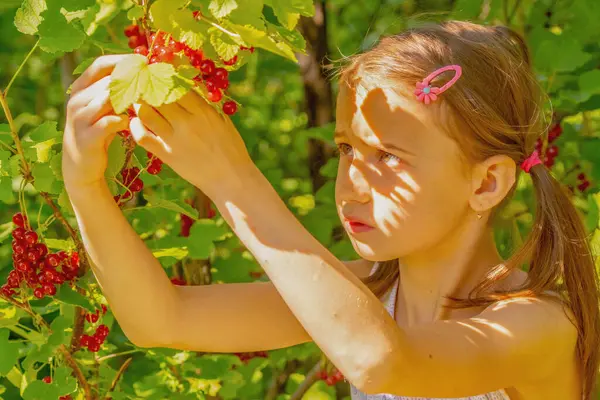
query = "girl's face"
x=397 y=173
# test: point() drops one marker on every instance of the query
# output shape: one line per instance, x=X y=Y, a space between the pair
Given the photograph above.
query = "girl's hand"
x=91 y=124
x=190 y=136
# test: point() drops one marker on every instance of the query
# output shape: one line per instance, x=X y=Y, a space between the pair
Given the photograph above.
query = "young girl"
x=434 y=127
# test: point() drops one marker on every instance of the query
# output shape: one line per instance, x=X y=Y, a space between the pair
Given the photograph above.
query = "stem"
x=21 y=67
x=118 y=376
x=311 y=378
x=9 y=148
x=78 y=374
x=219 y=27
x=17 y=140
x=118 y=354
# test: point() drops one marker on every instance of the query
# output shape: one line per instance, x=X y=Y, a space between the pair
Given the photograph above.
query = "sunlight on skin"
x=391 y=193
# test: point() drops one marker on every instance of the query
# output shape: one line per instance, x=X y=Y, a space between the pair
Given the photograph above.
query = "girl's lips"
x=357 y=227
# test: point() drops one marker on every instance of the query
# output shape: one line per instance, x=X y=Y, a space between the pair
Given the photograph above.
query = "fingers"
x=173 y=112
x=192 y=102
x=100 y=68
x=151 y=142
x=86 y=95
x=107 y=127
x=154 y=120
x=98 y=107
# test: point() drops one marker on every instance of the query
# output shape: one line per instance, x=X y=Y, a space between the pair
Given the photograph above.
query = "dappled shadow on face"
x=382 y=118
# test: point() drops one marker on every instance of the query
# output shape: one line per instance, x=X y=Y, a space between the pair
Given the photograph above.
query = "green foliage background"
x=565 y=40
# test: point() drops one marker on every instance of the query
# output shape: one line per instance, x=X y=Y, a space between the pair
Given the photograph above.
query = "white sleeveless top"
x=389 y=300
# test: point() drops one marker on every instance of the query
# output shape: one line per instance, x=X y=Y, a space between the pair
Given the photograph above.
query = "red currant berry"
x=47 y=379
x=583 y=185
x=19 y=246
x=19 y=233
x=136 y=185
x=207 y=67
x=210 y=85
x=154 y=60
x=215 y=96
x=42 y=249
x=142 y=50
x=552 y=151
x=232 y=61
x=52 y=260
x=93 y=345
x=196 y=60
x=33 y=256
x=104 y=309
x=85 y=340
x=19 y=220
x=38 y=293
x=581 y=176
x=221 y=74
x=102 y=331
x=154 y=168
x=196 y=14
x=229 y=107
x=330 y=381
x=31 y=237
x=165 y=54
x=49 y=289
x=133 y=42
x=157 y=39
x=132 y=30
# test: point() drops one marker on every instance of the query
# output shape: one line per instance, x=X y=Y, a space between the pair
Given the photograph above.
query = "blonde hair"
x=496 y=108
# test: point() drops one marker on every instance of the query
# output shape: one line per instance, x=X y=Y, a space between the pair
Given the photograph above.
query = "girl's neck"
x=452 y=268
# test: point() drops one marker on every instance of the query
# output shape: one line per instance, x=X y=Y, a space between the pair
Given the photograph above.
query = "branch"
x=15 y=135
x=118 y=376
x=311 y=378
x=21 y=67
x=279 y=379
x=78 y=374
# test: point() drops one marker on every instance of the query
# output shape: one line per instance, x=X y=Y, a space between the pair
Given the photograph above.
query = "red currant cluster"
x=34 y=265
x=154 y=165
x=132 y=183
x=552 y=150
x=247 y=356
x=330 y=379
x=94 y=341
x=160 y=47
x=584 y=183
x=48 y=380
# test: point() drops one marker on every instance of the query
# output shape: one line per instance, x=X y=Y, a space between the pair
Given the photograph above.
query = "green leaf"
x=202 y=235
x=225 y=45
x=65 y=294
x=292 y=37
x=589 y=82
x=249 y=13
x=133 y=79
x=76 y=5
x=116 y=158
x=5 y=135
x=6 y=192
x=288 y=11
x=173 y=205
x=39 y=390
x=27 y=18
x=257 y=38
x=135 y=12
x=45 y=180
x=9 y=351
x=59 y=244
x=63 y=380
x=222 y=8
x=58 y=35
x=568 y=59
x=4 y=166
x=190 y=31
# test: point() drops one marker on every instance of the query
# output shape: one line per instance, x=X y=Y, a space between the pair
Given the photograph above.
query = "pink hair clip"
x=426 y=94
x=531 y=161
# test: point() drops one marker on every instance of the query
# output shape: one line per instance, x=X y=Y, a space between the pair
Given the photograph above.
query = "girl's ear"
x=492 y=179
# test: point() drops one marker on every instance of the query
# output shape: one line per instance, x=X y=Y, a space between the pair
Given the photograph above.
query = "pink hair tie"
x=426 y=93
x=531 y=161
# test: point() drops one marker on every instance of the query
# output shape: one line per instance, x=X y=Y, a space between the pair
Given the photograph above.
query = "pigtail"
x=561 y=260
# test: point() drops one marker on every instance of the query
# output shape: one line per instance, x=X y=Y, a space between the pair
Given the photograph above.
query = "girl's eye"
x=344 y=148
x=385 y=157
